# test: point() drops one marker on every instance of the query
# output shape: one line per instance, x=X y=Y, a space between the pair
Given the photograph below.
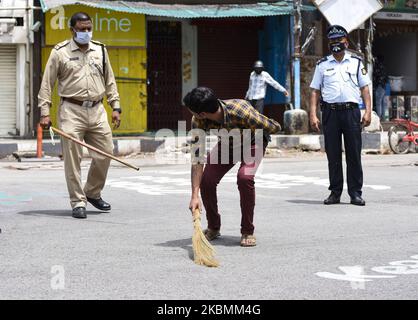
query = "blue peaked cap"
x=336 y=31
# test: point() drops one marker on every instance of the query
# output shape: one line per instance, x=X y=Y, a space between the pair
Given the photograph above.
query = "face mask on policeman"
x=83 y=37
x=82 y=32
x=338 y=45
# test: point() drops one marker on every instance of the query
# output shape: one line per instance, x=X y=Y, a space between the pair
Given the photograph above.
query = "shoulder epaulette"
x=61 y=44
x=322 y=60
x=355 y=54
x=98 y=43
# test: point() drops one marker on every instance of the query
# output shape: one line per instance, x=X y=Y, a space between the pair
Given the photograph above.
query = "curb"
x=122 y=147
x=377 y=141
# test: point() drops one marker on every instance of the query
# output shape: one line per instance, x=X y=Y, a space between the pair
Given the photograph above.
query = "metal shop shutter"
x=226 y=53
x=7 y=90
x=164 y=74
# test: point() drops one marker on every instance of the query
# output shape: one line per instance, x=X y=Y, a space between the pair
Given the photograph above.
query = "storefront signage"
x=110 y=27
x=406 y=16
x=401 y=4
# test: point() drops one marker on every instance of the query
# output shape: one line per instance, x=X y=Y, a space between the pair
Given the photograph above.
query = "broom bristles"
x=203 y=251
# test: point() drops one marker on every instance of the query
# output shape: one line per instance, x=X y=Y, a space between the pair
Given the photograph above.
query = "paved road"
x=142 y=249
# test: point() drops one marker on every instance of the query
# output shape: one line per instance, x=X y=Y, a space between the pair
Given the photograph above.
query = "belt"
x=86 y=103
x=339 y=105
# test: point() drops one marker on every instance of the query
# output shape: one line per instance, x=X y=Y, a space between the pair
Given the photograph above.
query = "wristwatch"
x=118 y=110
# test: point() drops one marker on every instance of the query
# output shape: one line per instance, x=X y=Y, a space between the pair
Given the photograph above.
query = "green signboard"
x=401 y=4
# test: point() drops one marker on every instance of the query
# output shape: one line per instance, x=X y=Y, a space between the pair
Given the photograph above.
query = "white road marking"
x=162 y=182
x=351 y=274
x=355 y=273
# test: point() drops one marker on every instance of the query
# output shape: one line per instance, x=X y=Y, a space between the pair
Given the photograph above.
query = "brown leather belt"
x=87 y=103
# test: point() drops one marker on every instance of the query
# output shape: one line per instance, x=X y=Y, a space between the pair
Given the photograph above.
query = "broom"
x=204 y=253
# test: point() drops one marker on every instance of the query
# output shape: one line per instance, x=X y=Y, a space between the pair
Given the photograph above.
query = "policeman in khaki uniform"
x=340 y=82
x=84 y=76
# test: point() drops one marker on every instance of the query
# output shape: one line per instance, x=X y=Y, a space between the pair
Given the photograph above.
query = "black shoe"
x=79 y=213
x=358 y=201
x=99 y=204
x=332 y=199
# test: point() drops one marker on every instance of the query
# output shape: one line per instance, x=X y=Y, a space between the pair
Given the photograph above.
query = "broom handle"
x=65 y=135
x=196 y=214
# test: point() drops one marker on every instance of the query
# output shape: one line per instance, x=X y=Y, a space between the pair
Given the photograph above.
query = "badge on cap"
x=336 y=31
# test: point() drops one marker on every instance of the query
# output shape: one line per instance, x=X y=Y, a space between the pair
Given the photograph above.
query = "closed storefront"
x=16 y=39
x=164 y=74
x=227 y=49
x=396 y=43
x=180 y=47
x=8 y=90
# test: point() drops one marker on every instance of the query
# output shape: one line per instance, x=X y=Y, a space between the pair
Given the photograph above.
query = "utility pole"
x=296 y=121
x=297 y=30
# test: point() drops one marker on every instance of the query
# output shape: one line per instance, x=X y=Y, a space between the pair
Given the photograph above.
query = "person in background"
x=380 y=79
x=259 y=79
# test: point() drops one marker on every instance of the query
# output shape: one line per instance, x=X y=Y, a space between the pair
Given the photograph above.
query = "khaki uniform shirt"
x=80 y=75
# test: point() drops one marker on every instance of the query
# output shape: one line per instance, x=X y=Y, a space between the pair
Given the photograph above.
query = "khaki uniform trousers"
x=91 y=125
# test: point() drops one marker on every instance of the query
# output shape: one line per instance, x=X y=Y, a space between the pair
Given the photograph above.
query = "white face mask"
x=83 y=37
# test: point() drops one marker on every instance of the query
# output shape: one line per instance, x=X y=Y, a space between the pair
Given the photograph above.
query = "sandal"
x=248 y=240
x=211 y=234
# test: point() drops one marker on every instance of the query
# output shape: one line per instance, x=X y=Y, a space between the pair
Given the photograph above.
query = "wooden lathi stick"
x=111 y=156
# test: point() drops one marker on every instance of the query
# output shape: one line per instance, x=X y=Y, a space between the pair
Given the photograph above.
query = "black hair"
x=201 y=99
x=79 y=16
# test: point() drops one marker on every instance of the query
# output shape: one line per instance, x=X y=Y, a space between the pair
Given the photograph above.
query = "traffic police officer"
x=84 y=76
x=339 y=82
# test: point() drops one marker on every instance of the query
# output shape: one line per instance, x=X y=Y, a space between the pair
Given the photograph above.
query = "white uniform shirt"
x=258 y=85
x=340 y=81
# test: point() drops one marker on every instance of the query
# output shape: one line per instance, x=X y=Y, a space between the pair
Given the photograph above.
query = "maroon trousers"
x=212 y=175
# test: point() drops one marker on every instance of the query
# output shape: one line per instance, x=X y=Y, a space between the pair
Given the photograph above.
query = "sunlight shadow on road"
x=227 y=241
x=186 y=244
x=55 y=213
